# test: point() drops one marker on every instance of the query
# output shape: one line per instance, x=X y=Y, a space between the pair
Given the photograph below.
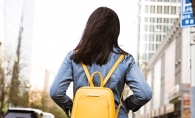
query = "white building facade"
x=168 y=74
x=155 y=17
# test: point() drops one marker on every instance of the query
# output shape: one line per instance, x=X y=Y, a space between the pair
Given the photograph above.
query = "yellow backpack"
x=95 y=102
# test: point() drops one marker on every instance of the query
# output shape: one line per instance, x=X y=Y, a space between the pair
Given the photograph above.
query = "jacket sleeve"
x=60 y=85
x=142 y=92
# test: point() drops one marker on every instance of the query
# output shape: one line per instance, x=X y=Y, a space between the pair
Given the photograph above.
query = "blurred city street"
x=35 y=37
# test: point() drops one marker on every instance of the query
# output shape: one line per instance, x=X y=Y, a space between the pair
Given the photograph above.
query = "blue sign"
x=187 y=16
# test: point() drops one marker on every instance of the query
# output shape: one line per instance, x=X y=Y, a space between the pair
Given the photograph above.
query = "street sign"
x=187 y=16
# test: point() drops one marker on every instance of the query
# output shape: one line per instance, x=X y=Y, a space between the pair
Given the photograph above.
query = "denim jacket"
x=127 y=73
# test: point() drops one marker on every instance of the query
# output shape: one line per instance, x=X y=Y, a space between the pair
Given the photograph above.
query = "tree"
x=5 y=73
x=36 y=98
x=6 y=67
x=23 y=98
x=15 y=90
x=3 y=91
x=41 y=100
x=15 y=82
x=13 y=87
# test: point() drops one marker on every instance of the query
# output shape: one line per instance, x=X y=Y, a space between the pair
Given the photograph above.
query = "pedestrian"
x=99 y=49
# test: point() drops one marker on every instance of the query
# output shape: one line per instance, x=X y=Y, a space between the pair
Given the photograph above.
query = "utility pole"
x=192 y=89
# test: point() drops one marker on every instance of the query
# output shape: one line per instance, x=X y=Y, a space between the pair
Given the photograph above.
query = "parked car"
x=48 y=115
x=24 y=113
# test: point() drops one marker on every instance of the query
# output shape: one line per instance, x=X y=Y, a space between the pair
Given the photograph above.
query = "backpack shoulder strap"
x=87 y=73
x=109 y=73
x=113 y=68
x=108 y=76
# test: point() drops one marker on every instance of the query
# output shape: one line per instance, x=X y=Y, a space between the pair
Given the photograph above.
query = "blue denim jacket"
x=127 y=72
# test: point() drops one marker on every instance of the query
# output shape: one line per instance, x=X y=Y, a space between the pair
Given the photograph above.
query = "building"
x=16 y=28
x=168 y=74
x=155 y=17
x=16 y=20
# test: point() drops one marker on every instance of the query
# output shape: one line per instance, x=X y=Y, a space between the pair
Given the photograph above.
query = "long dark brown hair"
x=99 y=37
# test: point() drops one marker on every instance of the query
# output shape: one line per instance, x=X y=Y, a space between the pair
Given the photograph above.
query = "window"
x=146 y=19
x=146 y=8
x=159 y=20
x=146 y=28
x=166 y=10
x=150 y=55
x=144 y=56
x=166 y=28
x=173 y=10
x=18 y=115
x=172 y=20
x=159 y=9
x=151 y=37
x=151 y=28
x=157 y=46
x=152 y=20
x=145 y=36
x=146 y=45
x=178 y=10
x=151 y=47
x=152 y=9
x=158 y=28
x=166 y=20
x=158 y=38
x=162 y=20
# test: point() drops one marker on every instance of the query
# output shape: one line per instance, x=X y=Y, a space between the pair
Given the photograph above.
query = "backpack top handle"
x=92 y=76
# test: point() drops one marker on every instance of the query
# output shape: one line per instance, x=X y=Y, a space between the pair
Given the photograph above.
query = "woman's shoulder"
x=127 y=57
x=127 y=60
x=70 y=53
